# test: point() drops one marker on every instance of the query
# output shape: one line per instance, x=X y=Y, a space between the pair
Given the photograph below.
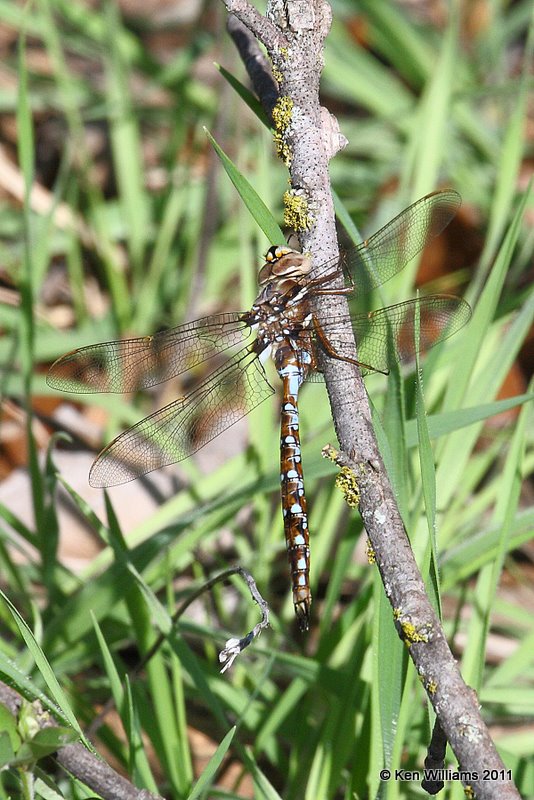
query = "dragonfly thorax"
x=282 y=310
x=280 y=318
x=281 y=302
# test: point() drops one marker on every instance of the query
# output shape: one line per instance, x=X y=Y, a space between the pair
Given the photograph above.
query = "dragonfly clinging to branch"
x=285 y=324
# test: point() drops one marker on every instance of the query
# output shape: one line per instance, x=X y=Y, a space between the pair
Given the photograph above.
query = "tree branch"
x=262 y=28
x=311 y=138
x=84 y=765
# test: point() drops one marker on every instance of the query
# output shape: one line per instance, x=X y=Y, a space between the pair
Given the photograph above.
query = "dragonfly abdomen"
x=294 y=506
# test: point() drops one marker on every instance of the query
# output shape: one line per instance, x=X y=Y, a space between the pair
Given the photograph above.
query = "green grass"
x=302 y=717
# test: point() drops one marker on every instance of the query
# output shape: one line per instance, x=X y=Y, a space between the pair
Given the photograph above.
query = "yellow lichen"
x=275 y=69
x=347 y=483
x=283 y=150
x=282 y=113
x=297 y=215
x=280 y=61
x=330 y=453
x=371 y=557
x=277 y=75
x=411 y=635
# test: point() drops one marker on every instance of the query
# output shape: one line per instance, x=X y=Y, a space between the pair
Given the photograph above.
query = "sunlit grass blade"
x=144 y=610
x=458 y=447
x=403 y=43
x=210 y=770
x=17 y=679
x=488 y=580
x=138 y=766
x=147 y=313
x=511 y=155
x=115 y=684
x=264 y=786
x=184 y=770
x=251 y=199
x=428 y=482
x=46 y=670
x=127 y=148
x=449 y=421
x=26 y=151
x=96 y=213
x=246 y=95
x=466 y=558
x=427 y=148
x=378 y=89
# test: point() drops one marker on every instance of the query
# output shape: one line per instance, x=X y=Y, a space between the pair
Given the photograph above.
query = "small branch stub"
x=235 y=646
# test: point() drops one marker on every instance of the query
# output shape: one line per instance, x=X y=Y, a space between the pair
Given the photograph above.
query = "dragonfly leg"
x=320 y=281
x=327 y=347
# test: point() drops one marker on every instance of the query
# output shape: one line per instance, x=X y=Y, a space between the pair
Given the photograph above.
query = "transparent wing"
x=383 y=255
x=185 y=425
x=132 y=364
x=388 y=335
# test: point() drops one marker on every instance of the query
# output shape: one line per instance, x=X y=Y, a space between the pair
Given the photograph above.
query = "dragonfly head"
x=282 y=262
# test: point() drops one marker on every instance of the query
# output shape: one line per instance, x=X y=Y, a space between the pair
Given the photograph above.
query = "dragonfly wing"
x=185 y=425
x=387 y=252
x=388 y=335
x=131 y=364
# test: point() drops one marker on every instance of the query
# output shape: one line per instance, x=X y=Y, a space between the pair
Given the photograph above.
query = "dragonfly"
x=282 y=323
